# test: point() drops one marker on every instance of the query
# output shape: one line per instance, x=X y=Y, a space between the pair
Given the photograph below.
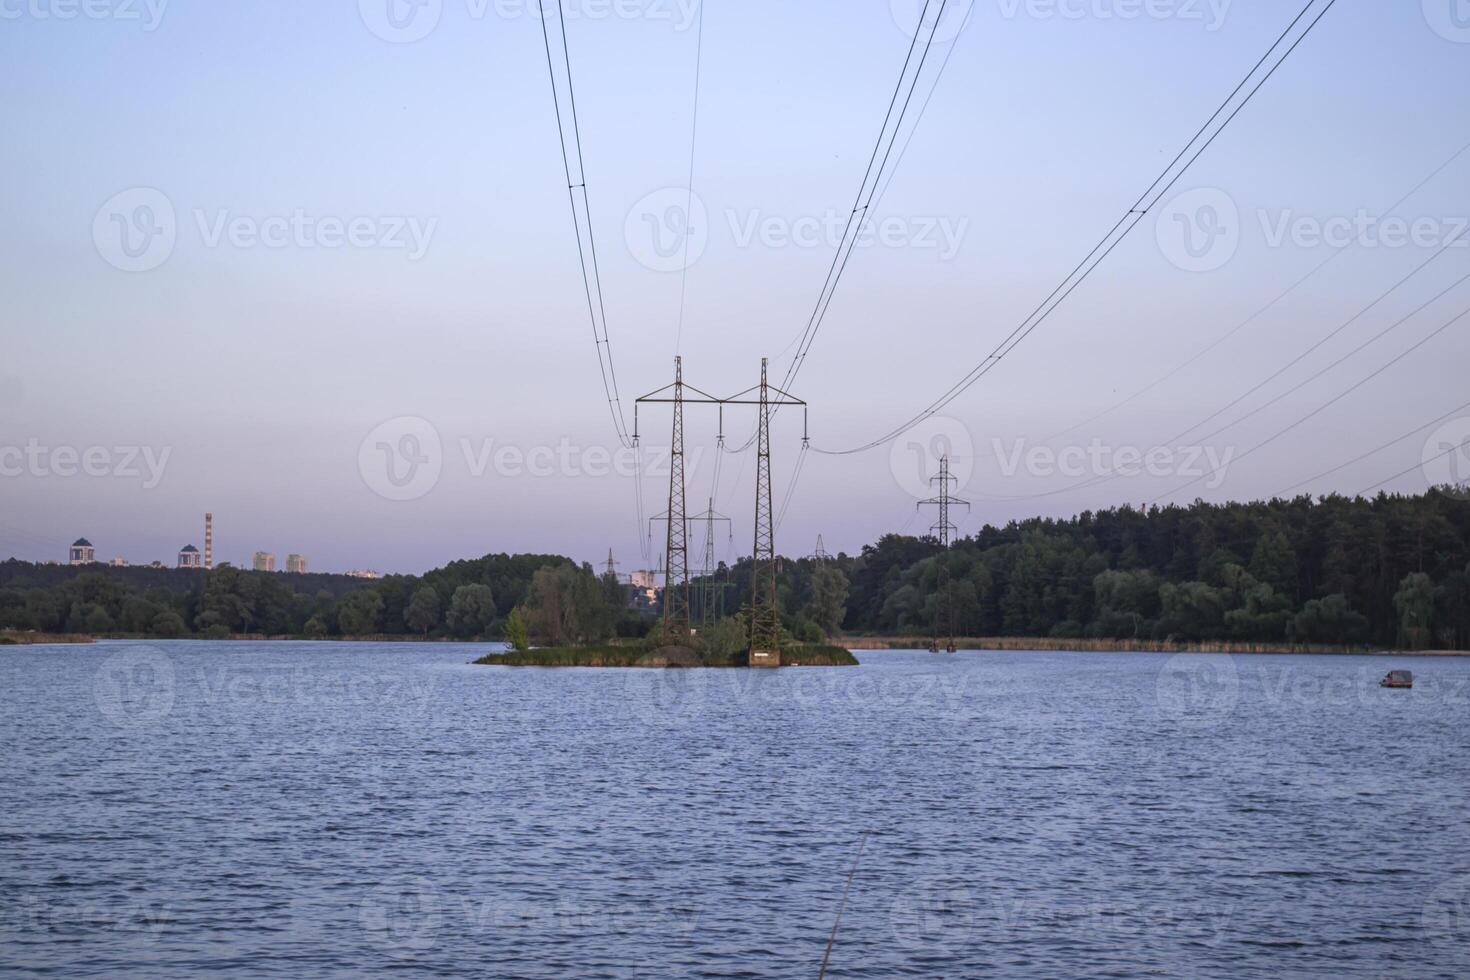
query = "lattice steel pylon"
x=765 y=616
x=945 y=531
x=675 y=560
x=676 y=569
x=708 y=587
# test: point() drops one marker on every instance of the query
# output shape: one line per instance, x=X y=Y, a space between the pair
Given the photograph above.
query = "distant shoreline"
x=1019 y=644
x=871 y=644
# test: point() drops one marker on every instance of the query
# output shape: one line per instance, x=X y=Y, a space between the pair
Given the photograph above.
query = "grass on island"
x=807 y=655
x=25 y=638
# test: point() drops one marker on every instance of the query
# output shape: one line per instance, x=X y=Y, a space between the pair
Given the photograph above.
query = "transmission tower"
x=676 y=543
x=946 y=532
x=707 y=589
x=765 y=616
x=820 y=556
x=710 y=590
x=612 y=566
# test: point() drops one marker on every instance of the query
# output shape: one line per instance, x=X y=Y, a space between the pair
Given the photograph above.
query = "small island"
x=665 y=657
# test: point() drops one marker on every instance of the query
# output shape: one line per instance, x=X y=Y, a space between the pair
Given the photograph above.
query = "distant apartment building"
x=645 y=579
x=82 y=553
x=189 y=557
x=643 y=600
x=264 y=561
x=118 y=562
x=363 y=573
x=296 y=564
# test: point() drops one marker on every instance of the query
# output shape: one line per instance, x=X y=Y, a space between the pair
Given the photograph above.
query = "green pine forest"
x=1392 y=571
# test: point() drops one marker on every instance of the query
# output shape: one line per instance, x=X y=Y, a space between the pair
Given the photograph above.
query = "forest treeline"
x=1390 y=571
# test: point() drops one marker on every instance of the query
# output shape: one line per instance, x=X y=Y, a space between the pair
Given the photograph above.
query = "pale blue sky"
x=262 y=370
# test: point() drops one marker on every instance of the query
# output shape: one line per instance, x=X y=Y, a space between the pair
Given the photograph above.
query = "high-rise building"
x=208 y=541
x=296 y=564
x=189 y=557
x=82 y=552
x=265 y=561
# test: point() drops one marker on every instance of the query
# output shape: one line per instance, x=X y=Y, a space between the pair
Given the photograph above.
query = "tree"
x=1274 y=563
x=168 y=624
x=1415 y=604
x=359 y=613
x=726 y=641
x=828 y=604
x=88 y=617
x=566 y=605
x=423 y=610
x=1192 y=610
x=1127 y=603
x=315 y=628
x=515 y=631
x=471 y=610
x=138 y=615
x=1328 y=620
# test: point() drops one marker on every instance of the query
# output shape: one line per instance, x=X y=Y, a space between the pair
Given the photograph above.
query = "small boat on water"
x=1398 y=678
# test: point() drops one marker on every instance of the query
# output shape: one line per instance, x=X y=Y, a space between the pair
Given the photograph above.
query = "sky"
x=312 y=267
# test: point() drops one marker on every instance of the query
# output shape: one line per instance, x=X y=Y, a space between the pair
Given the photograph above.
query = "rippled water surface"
x=243 y=809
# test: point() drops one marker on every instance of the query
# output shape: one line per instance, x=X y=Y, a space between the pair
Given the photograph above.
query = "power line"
x=1115 y=235
x=1317 y=346
x=851 y=231
x=924 y=109
x=1321 y=408
x=1356 y=350
x=1418 y=466
x=1331 y=257
x=1373 y=452
x=791 y=487
x=1102 y=478
x=860 y=208
x=689 y=186
x=591 y=274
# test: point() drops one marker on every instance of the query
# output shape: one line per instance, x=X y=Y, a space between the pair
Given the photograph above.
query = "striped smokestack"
x=208 y=541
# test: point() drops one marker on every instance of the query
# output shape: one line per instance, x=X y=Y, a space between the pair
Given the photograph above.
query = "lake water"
x=243 y=809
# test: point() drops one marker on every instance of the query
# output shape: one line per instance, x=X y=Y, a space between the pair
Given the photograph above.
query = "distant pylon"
x=820 y=555
x=612 y=565
x=710 y=592
x=707 y=587
x=945 y=531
